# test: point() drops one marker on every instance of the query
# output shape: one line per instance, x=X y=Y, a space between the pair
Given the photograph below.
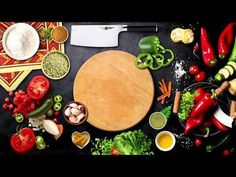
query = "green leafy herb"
x=127 y=143
x=47 y=33
x=186 y=105
x=166 y=111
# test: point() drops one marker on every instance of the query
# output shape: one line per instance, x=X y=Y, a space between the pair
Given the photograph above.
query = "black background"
x=128 y=41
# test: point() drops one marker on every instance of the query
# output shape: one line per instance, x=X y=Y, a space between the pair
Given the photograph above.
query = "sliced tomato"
x=38 y=87
x=114 y=151
x=23 y=141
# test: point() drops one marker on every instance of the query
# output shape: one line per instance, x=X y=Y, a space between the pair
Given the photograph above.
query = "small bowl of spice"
x=75 y=113
x=59 y=34
x=55 y=65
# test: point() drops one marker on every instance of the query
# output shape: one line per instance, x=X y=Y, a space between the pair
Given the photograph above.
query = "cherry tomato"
x=194 y=70
x=198 y=142
x=199 y=94
x=38 y=87
x=227 y=152
x=23 y=141
x=56 y=113
x=200 y=77
x=114 y=151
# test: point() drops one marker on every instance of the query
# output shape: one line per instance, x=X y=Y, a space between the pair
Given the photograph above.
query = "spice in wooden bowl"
x=59 y=34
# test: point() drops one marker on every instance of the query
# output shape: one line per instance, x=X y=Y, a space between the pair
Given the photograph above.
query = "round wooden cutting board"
x=116 y=93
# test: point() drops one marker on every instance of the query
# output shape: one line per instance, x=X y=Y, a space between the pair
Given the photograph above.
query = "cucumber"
x=232 y=63
x=43 y=109
x=230 y=69
x=222 y=74
x=233 y=53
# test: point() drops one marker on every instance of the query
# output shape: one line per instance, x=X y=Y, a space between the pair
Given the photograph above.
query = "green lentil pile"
x=55 y=65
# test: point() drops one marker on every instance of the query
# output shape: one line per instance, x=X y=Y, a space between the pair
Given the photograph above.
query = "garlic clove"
x=73 y=105
x=68 y=112
x=75 y=111
x=80 y=117
x=73 y=119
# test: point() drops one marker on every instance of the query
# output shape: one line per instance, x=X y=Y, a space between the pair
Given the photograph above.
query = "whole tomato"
x=23 y=141
x=227 y=152
x=198 y=142
x=194 y=70
x=200 y=77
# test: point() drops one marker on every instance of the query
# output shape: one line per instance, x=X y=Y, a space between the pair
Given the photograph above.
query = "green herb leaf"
x=166 y=111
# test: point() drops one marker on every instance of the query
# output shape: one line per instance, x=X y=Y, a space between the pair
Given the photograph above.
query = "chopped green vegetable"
x=186 y=105
x=102 y=146
x=166 y=111
x=47 y=33
x=50 y=113
x=57 y=106
x=127 y=143
x=40 y=143
x=58 y=98
x=19 y=118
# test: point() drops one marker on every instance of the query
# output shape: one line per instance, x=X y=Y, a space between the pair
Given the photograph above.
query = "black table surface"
x=128 y=41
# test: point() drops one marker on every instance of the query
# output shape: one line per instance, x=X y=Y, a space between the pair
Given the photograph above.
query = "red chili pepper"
x=207 y=49
x=219 y=125
x=226 y=40
x=199 y=112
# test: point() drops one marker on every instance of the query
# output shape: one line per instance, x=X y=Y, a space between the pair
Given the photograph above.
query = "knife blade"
x=223 y=118
x=102 y=35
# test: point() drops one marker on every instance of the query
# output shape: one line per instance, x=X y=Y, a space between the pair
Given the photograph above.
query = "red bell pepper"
x=219 y=125
x=226 y=40
x=207 y=49
x=199 y=112
x=199 y=94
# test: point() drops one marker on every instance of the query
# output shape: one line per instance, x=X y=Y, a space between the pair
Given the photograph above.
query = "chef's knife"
x=103 y=35
x=223 y=118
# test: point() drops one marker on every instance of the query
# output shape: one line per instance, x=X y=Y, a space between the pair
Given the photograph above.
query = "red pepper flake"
x=7 y=100
x=10 y=106
x=55 y=120
x=11 y=93
x=5 y=106
x=195 y=50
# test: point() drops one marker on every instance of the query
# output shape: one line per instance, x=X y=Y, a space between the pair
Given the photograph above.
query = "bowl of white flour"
x=20 y=41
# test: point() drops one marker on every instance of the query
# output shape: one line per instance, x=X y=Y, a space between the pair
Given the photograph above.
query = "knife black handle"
x=153 y=28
